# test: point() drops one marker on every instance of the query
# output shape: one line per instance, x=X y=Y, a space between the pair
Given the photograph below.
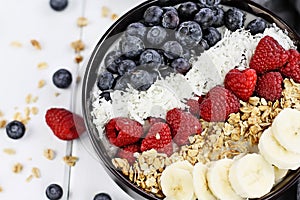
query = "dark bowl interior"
x=90 y=77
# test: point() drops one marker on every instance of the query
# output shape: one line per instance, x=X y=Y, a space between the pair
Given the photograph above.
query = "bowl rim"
x=91 y=68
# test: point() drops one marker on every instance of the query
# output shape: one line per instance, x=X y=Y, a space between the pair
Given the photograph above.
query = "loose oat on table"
x=56 y=94
x=29 y=178
x=42 y=65
x=3 y=123
x=9 y=151
x=82 y=21
x=49 y=154
x=78 y=58
x=16 y=44
x=114 y=16
x=70 y=160
x=78 y=45
x=36 y=172
x=1 y=114
x=36 y=44
x=105 y=11
x=1 y=189
x=34 y=110
x=17 y=168
x=41 y=83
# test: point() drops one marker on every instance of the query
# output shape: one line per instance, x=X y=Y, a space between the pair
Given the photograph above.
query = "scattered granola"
x=3 y=123
x=78 y=58
x=82 y=21
x=36 y=172
x=105 y=11
x=29 y=178
x=34 y=110
x=9 y=151
x=49 y=154
x=78 y=45
x=41 y=83
x=114 y=16
x=56 y=94
x=36 y=44
x=42 y=65
x=1 y=189
x=1 y=114
x=70 y=160
x=16 y=44
x=17 y=168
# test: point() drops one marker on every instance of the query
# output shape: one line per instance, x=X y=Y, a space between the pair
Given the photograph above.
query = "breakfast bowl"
x=183 y=99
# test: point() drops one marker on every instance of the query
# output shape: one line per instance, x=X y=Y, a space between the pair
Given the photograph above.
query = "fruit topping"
x=183 y=125
x=234 y=19
x=255 y=26
x=62 y=78
x=241 y=83
x=54 y=192
x=159 y=138
x=152 y=15
x=102 y=196
x=15 y=129
x=156 y=35
x=194 y=107
x=126 y=66
x=141 y=80
x=212 y=36
x=122 y=131
x=172 y=49
x=128 y=151
x=269 y=55
x=187 y=11
x=292 y=68
x=151 y=57
x=181 y=65
x=64 y=124
x=105 y=80
x=170 y=20
x=136 y=29
x=205 y=17
x=132 y=46
x=218 y=104
x=269 y=86
x=189 y=34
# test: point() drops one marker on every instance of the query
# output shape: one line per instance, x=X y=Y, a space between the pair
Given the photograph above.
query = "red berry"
x=150 y=121
x=241 y=83
x=128 y=151
x=64 y=124
x=194 y=107
x=183 y=125
x=159 y=138
x=219 y=104
x=123 y=131
x=269 y=55
x=292 y=68
x=269 y=86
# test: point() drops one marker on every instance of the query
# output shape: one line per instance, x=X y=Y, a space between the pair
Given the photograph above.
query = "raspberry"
x=219 y=104
x=159 y=138
x=269 y=55
x=269 y=86
x=194 y=107
x=64 y=124
x=292 y=68
x=127 y=152
x=123 y=131
x=183 y=125
x=150 y=121
x=241 y=83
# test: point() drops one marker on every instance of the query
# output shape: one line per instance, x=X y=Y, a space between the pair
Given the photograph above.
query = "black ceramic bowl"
x=90 y=78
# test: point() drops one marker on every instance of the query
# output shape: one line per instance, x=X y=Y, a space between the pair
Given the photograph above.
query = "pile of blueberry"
x=164 y=40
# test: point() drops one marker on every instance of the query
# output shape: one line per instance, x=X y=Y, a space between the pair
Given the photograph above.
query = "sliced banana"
x=218 y=180
x=251 y=176
x=276 y=154
x=177 y=181
x=200 y=183
x=279 y=174
x=286 y=129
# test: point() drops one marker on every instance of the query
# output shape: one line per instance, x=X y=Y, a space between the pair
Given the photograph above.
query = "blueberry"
x=170 y=8
x=172 y=49
x=105 y=80
x=181 y=65
x=187 y=10
x=132 y=46
x=105 y=95
x=212 y=36
x=205 y=17
x=62 y=78
x=136 y=29
x=151 y=57
x=102 y=196
x=156 y=35
x=152 y=15
x=111 y=57
x=141 y=80
x=219 y=16
x=210 y=2
x=15 y=129
x=121 y=82
x=256 y=26
x=170 y=20
x=58 y=5
x=165 y=70
x=114 y=66
x=54 y=192
x=189 y=34
x=202 y=46
x=126 y=66
x=234 y=19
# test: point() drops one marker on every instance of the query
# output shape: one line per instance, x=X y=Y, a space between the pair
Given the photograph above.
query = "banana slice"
x=177 y=181
x=218 y=180
x=276 y=154
x=251 y=176
x=279 y=174
x=200 y=183
x=286 y=129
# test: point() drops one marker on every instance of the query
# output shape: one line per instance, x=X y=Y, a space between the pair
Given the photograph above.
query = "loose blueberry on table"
x=58 y=5
x=54 y=192
x=102 y=196
x=166 y=42
x=15 y=129
x=62 y=78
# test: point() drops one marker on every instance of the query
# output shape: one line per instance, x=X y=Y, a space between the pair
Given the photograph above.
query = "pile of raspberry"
x=268 y=66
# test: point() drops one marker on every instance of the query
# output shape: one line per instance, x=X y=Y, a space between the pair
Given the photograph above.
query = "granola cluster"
x=238 y=135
